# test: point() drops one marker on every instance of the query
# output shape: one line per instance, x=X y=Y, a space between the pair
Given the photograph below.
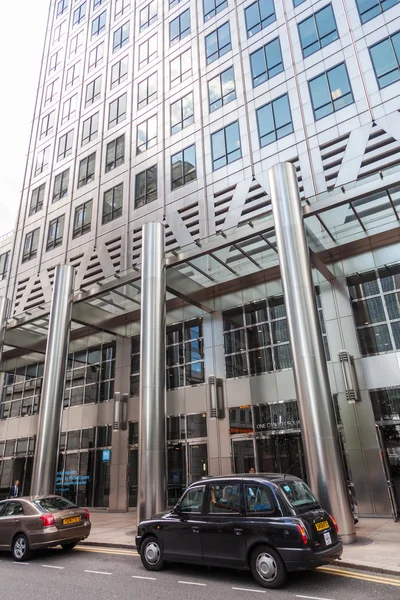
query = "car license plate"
x=71 y=520
x=328 y=539
x=321 y=526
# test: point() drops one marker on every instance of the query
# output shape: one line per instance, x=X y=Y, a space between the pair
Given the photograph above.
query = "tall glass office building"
x=173 y=111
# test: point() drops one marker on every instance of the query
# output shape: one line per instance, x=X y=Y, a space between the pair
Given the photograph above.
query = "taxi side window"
x=192 y=501
x=224 y=498
x=259 y=500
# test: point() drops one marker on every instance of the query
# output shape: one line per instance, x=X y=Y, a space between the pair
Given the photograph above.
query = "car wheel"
x=267 y=567
x=151 y=554
x=20 y=547
x=69 y=546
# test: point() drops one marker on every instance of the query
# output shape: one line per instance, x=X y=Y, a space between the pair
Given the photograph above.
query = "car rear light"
x=86 y=514
x=334 y=523
x=303 y=534
x=48 y=520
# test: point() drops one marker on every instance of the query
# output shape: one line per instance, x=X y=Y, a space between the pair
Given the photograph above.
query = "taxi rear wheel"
x=151 y=554
x=267 y=567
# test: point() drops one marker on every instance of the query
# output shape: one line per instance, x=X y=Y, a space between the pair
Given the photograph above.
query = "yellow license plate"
x=71 y=520
x=321 y=526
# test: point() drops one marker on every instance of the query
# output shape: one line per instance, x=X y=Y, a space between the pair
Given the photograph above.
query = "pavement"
x=377 y=548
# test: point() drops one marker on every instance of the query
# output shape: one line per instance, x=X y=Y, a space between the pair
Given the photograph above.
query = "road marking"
x=312 y=597
x=21 y=563
x=97 y=572
x=191 y=583
x=349 y=574
x=141 y=577
x=249 y=590
x=52 y=567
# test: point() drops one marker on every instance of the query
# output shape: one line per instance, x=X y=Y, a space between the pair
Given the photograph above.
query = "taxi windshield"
x=298 y=494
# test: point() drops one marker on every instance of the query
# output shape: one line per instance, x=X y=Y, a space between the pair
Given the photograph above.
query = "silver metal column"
x=152 y=488
x=320 y=435
x=55 y=368
x=5 y=306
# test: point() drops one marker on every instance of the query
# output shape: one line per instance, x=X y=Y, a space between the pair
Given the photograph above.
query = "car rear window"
x=54 y=504
x=298 y=494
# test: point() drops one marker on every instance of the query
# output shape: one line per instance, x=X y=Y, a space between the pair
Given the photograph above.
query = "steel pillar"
x=55 y=369
x=314 y=398
x=5 y=306
x=152 y=488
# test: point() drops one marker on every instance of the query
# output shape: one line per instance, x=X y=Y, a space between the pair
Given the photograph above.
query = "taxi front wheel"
x=151 y=554
x=267 y=567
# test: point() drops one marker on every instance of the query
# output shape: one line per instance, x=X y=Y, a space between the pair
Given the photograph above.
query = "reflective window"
x=93 y=91
x=274 y=120
x=148 y=51
x=192 y=501
x=99 y=24
x=121 y=37
x=119 y=72
x=55 y=61
x=146 y=187
x=224 y=498
x=330 y=91
x=51 y=92
x=386 y=404
x=55 y=233
x=183 y=167
x=86 y=170
x=4 y=263
x=97 y=3
x=221 y=89
x=240 y=420
x=60 y=188
x=37 y=199
x=76 y=44
x=148 y=15
x=213 y=7
x=69 y=109
x=59 y=32
x=196 y=426
x=259 y=499
x=65 y=145
x=79 y=14
x=218 y=43
x=181 y=67
x=90 y=129
x=266 y=62
x=62 y=6
x=298 y=2
x=386 y=60
x=96 y=57
x=259 y=15
x=179 y=27
x=47 y=125
x=121 y=7
x=72 y=77
x=182 y=113
x=225 y=145
x=42 y=160
x=369 y=9
x=318 y=31
x=117 y=111
x=147 y=90
x=115 y=153
x=146 y=134
x=82 y=219
x=112 y=203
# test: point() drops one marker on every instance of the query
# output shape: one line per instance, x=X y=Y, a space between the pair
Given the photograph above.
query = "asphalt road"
x=94 y=574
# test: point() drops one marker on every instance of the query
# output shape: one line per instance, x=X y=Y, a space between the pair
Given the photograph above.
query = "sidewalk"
x=377 y=548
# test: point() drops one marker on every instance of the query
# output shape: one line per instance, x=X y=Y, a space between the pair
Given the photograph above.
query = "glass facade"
x=16 y=462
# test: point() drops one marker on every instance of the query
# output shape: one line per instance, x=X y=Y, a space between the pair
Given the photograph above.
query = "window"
x=330 y=91
x=121 y=7
x=181 y=67
x=266 y=62
x=69 y=109
x=60 y=188
x=62 y=6
x=146 y=187
x=121 y=37
x=183 y=167
x=375 y=299
x=386 y=60
x=59 y=32
x=51 y=92
x=119 y=72
x=55 y=60
x=147 y=51
x=298 y=2
x=173 y=3
x=47 y=125
x=218 y=43
x=96 y=57
x=318 y=31
x=76 y=43
x=274 y=121
x=146 y=134
x=369 y=9
x=147 y=90
x=97 y=3
x=192 y=501
x=90 y=129
x=185 y=356
x=4 y=260
x=213 y=7
x=117 y=111
x=259 y=499
x=225 y=145
x=37 y=199
x=65 y=145
x=82 y=219
x=30 y=245
x=72 y=75
x=55 y=234
x=93 y=91
x=115 y=153
x=221 y=89
x=148 y=15
x=179 y=27
x=224 y=498
x=182 y=113
x=112 y=203
x=99 y=24
x=86 y=170
x=42 y=160
x=259 y=15
x=79 y=14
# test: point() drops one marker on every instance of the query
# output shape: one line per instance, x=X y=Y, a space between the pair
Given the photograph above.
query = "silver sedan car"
x=32 y=523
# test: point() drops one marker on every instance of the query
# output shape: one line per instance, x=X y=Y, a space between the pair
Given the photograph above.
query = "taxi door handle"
x=238 y=531
x=196 y=529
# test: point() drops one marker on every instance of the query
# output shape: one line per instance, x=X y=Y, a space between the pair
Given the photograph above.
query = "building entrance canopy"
x=350 y=219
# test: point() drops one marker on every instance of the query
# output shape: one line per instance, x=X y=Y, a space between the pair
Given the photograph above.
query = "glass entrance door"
x=176 y=472
x=133 y=477
x=198 y=462
x=389 y=440
x=281 y=454
x=243 y=456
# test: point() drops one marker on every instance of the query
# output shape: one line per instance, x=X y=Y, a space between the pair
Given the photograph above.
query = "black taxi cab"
x=269 y=523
